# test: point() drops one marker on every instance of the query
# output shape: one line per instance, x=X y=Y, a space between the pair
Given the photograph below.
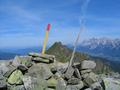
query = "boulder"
x=88 y=64
x=40 y=70
x=90 y=79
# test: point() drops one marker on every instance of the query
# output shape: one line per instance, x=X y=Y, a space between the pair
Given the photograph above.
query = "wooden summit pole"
x=46 y=38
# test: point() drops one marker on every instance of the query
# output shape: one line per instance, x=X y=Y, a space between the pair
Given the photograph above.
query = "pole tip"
x=48 y=27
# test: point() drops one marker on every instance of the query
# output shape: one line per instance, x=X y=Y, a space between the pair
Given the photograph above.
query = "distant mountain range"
x=101 y=50
x=102 y=47
x=63 y=54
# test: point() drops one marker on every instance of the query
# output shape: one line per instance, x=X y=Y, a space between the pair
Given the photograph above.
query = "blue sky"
x=23 y=22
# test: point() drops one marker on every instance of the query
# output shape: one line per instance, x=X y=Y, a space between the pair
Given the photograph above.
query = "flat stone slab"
x=88 y=64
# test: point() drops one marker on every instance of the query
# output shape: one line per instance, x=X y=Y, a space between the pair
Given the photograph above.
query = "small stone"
x=50 y=89
x=61 y=85
x=69 y=72
x=22 y=67
x=44 y=56
x=38 y=59
x=88 y=64
x=88 y=89
x=52 y=82
x=96 y=86
x=75 y=87
x=27 y=80
x=85 y=71
x=73 y=81
x=77 y=73
x=3 y=68
x=3 y=85
x=85 y=75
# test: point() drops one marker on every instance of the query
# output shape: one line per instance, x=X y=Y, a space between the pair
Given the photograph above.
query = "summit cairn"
x=42 y=72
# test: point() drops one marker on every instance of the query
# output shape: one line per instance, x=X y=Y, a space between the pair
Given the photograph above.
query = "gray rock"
x=73 y=81
x=38 y=59
x=50 y=89
x=88 y=89
x=3 y=85
x=18 y=87
x=96 y=86
x=27 y=80
x=75 y=87
x=77 y=73
x=88 y=64
x=90 y=79
x=25 y=60
x=22 y=67
x=11 y=69
x=69 y=72
x=111 y=84
x=44 y=56
x=3 y=68
x=85 y=75
x=85 y=71
x=40 y=70
x=61 y=85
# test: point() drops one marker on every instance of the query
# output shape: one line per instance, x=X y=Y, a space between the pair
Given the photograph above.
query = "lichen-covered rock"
x=15 y=78
x=52 y=83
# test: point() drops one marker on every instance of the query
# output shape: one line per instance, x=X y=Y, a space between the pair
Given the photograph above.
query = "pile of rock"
x=81 y=77
x=41 y=72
